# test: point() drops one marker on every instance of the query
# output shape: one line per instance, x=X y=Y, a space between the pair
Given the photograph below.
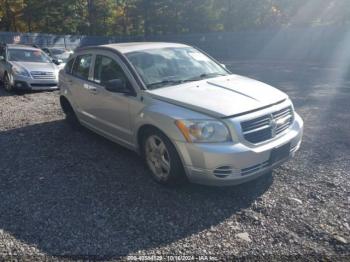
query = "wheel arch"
x=141 y=131
x=64 y=99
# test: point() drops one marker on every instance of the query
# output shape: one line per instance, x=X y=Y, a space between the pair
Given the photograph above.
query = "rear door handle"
x=91 y=88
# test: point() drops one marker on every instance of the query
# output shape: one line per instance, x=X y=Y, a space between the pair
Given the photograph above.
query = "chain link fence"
x=298 y=44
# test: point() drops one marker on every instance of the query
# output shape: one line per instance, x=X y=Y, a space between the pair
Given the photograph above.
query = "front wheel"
x=162 y=158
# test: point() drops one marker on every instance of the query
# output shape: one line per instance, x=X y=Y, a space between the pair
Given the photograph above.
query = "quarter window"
x=81 y=66
x=107 y=69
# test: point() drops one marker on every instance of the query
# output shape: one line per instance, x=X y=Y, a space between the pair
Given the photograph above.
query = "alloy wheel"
x=157 y=157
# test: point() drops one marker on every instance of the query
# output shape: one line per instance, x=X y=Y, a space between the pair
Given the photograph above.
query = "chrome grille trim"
x=268 y=126
x=43 y=75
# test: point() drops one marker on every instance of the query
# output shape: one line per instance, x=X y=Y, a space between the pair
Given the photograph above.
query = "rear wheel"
x=7 y=83
x=162 y=158
x=69 y=112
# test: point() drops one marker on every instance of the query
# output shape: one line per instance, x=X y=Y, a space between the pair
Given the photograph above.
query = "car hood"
x=221 y=96
x=30 y=66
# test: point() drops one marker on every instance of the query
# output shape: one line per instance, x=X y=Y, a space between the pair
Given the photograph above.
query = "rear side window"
x=69 y=65
x=81 y=66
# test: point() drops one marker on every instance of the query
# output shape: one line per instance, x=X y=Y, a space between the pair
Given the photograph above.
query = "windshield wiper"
x=177 y=82
x=164 y=83
x=204 y=76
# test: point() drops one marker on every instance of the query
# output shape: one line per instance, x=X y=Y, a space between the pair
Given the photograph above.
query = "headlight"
x=203 y=131
x=20 y=71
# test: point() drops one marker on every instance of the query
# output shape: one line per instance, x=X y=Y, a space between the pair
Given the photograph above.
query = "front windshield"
x=170 y=66
x=24 y=55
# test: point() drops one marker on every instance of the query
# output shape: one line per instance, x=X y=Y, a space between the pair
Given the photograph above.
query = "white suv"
x=27 y=68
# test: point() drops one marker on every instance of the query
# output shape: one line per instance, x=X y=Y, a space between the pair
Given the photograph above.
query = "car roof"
x=25 y=47
x=139 y=46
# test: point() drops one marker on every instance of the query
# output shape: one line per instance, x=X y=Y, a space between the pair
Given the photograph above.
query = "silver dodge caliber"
x=185 y=113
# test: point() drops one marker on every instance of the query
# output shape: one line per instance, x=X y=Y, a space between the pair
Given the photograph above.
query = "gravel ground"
x=68 y=192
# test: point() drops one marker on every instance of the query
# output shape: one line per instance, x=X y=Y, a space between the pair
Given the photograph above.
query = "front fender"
x=163 y=115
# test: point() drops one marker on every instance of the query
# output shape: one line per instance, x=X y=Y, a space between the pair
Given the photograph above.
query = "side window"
x=82 y=66
x=107 y=69
x=69 y=65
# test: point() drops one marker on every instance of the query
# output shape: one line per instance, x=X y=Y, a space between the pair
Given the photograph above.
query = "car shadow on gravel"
x=70 y=192
x=19 y=92
x=3 y=92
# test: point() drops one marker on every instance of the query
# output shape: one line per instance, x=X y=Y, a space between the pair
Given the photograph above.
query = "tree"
x=149 y=17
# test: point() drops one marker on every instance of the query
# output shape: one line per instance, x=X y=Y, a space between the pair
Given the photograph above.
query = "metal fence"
x=306 y=44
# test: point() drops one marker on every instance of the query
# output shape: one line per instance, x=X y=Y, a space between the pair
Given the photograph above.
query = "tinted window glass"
x=82 y=66
x=69 y=65
x=107 y=69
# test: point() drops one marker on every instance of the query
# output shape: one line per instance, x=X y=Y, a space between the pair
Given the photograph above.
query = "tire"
x=7 y=83
x=68 y=110
x=162 y=159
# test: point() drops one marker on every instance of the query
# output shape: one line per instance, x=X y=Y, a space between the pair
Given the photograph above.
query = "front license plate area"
x=280 y=153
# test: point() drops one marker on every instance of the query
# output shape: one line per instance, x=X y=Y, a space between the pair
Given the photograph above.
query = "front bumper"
x=231 y=164
x=26 y=83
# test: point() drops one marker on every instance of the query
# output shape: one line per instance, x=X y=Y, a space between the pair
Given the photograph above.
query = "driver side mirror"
x=2 y=58
x=118 y=86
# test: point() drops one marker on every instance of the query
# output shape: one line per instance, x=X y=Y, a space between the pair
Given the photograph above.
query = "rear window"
x=81 y=66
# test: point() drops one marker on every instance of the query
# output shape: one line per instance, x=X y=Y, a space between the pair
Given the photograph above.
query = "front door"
x=110 y=110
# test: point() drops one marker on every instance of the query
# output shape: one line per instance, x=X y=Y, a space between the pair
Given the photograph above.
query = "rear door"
x=79 y=80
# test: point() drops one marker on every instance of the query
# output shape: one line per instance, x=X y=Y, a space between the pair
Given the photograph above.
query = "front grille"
x=43 y=75
x=268 y=126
